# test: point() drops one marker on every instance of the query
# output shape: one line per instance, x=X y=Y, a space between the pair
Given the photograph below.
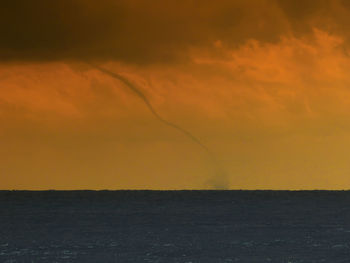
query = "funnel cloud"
x=220 y=179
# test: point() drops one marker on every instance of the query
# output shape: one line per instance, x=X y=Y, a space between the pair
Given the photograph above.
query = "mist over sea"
x=174 y=226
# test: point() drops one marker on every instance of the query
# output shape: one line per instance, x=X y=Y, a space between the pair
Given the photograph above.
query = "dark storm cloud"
x=141 y=31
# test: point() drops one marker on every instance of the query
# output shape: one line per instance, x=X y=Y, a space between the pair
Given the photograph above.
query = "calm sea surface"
x=174 y=226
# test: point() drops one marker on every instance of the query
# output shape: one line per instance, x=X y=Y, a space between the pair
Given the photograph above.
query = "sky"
x=259 y=91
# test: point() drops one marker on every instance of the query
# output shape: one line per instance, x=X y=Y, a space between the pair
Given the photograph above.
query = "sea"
x=175 y=226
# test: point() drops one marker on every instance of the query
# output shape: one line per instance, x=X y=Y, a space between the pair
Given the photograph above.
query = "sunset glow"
x=264 y=85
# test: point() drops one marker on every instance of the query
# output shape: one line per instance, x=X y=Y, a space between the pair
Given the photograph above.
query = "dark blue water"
x=175 y=226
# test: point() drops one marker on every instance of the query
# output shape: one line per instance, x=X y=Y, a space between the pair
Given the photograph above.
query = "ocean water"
x=175 y=226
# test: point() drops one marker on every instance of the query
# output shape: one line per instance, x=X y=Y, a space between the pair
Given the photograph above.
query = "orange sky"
x=264 y=85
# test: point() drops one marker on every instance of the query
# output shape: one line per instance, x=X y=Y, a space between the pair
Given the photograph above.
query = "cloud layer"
x=138 y=31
